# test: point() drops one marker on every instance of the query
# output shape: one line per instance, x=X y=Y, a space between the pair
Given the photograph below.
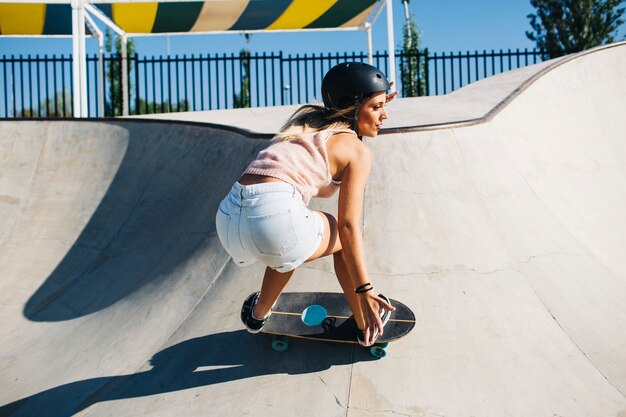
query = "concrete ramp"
x=497 y=213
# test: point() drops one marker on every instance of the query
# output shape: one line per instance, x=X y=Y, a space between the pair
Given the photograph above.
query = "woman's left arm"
x=351 y=196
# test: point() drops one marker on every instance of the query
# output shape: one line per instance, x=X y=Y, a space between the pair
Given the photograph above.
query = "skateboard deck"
x=327 y=317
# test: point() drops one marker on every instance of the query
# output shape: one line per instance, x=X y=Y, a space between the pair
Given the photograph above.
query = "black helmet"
x=350 y=83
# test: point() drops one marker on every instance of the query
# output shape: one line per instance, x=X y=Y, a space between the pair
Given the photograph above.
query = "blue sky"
x=446 y=25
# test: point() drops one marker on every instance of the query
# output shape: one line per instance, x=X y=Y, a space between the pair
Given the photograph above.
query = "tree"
x=561 y=27
x=153 y=107
x=243 y=98
x=412 y=64
x=114 y=104
x=60 y=105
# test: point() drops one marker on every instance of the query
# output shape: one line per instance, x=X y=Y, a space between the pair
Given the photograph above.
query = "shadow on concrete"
x=231 y=355
x=156 y=213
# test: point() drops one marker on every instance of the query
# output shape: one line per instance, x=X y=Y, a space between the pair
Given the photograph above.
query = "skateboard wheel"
x=280 y=345
x=378 y=351
x=314 y=315
x=382 y=345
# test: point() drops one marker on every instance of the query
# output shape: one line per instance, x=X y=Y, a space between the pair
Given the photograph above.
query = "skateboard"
x=327 y=317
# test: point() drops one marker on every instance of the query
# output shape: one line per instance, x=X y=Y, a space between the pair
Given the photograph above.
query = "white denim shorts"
x=269 y=223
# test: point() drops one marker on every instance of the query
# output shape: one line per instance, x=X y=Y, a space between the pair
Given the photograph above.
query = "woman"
x=317 y=152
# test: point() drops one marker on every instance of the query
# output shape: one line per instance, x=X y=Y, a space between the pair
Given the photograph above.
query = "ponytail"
x=314 y=118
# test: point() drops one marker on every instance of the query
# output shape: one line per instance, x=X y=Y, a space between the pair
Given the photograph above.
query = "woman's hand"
x=371 y=305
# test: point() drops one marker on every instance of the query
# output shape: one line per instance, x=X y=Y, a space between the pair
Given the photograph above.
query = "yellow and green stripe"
x=301 y=13
x=35 y=19
x=176 y=17
x=193 y=16
x=260 y=14
x=134 y=17
x=340 y=13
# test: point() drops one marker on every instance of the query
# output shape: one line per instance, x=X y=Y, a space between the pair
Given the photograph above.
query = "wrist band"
x=363 y=288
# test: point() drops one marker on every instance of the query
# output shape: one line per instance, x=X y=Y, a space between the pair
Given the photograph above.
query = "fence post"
x=282 y=81
x=6 y=89
x=137 y=103
x=125 y=92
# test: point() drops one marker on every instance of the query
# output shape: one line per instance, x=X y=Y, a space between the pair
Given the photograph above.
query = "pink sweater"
x=302 y=162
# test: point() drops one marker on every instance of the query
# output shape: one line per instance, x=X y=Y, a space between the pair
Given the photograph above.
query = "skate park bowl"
x=497 y=213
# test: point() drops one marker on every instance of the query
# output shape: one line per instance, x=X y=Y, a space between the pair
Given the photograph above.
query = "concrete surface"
x=497 y=214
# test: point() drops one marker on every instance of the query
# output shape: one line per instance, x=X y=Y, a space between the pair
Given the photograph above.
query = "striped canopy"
x=191 y=16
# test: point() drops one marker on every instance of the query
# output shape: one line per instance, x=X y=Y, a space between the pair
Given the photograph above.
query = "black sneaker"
x=384 y=317
x=253 y=325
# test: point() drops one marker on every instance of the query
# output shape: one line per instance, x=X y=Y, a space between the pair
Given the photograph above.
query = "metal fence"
x=36 y=87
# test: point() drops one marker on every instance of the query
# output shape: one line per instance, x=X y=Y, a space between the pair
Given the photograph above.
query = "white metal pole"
x=82 y=61
x=368 y=32
x=79 y=62
x=100 y=73
x=111 y=25
x=407 y=21
x=124 y=75
x=104 y=19
x=75 y=60
x=390 y=44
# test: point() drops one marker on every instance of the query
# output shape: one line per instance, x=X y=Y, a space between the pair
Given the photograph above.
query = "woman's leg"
x=332 y=245
x=273 y=284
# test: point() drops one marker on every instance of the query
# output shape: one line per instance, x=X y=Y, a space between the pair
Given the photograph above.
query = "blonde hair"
x=313 y=118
